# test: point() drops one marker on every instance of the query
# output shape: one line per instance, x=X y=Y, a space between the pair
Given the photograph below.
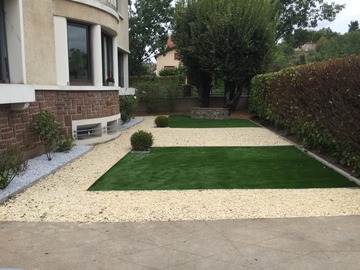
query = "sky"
x=351 y=12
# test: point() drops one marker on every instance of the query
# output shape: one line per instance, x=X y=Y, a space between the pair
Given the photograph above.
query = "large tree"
x=340 y=46
x=303 y=13
x=149 y=23
x=231 y=40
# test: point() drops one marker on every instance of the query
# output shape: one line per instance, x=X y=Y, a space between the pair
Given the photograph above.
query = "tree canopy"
x=353 y=26
x=149 y=23
x=231 y=40
x=303 y=13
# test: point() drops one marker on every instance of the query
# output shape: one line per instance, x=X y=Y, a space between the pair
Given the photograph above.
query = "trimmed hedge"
x=320 y=102
x=141 y=140
x=159 y=93
x=162 y=121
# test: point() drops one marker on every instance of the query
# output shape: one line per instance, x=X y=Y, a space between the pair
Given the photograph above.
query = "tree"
x=301 y=36
x=353 y=26
x=303 y=13
x=340 y=46
x=149 y=23
x=232 y=40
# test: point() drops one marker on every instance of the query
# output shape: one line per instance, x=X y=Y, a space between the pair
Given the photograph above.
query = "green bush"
x=65 y=144
x=128 y=105
x=318 y=102
x=159 y=93
x=162 y=121
x=167 y=72
x=141 y=140
x=172 y=72
x=49 y=131
x=12 y=162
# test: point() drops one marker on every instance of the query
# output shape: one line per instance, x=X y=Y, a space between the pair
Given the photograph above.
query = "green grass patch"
x=185 y=121
x=173 y=168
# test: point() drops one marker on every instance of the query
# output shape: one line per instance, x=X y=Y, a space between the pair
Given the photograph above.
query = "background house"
x=306 y=47
x=56 y=56
x=170 y=59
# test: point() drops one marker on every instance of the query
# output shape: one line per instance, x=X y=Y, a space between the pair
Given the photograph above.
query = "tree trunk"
x=204 y=87
x=229 y=91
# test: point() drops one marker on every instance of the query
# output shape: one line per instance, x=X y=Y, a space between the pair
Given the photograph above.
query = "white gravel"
x=40 y=167
x=62 y=196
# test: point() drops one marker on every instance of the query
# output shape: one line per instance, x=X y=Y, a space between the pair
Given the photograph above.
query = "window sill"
x=75 y=87
x=16 y=93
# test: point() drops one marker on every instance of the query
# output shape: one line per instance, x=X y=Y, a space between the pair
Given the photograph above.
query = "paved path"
x=284 y=243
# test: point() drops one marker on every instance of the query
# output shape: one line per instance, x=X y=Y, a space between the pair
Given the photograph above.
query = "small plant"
x=141 y=140
x=110 y=79
x=12 y=162
x=49 y=131
x=65 y=144
x=128 y=105
x=162 y=121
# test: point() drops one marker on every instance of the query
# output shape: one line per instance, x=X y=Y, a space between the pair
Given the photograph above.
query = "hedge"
x=320 y=102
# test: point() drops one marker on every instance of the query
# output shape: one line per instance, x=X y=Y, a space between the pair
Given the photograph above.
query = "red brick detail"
x=15 y=126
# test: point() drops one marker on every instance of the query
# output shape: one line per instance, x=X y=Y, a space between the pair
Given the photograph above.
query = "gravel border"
x=40 y=167
x=63 y=196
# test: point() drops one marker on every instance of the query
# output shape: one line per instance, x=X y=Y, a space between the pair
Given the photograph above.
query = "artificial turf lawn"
x=167 y=168
x=185 y=121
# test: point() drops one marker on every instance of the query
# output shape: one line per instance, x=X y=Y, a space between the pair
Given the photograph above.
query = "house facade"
x=61 y=56
x=170 y=59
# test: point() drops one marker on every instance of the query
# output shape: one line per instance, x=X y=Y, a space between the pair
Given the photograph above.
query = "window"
x=177 y=56
x=121 y=68
x=4 y=73
x=79 y=53
x=114 y=3
x=107 y=56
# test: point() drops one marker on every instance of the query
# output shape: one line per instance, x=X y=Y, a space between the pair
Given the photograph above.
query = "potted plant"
x=110 y=81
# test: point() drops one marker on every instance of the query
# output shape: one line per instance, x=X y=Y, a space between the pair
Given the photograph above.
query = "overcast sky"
x=351 y=12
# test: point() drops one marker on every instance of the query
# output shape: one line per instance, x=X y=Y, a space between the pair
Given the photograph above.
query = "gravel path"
x=62 y=196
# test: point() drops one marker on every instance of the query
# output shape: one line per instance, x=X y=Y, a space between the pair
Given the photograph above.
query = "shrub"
x=162 y=121
x=141 y=140
x=128 y=106
x=12 y=162
x=159 y=93
x=65 y=144
x=318 y=102
x=49 y=131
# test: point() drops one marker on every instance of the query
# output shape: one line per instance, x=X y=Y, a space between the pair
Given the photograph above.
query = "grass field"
x=177 y=168
x=185 y=121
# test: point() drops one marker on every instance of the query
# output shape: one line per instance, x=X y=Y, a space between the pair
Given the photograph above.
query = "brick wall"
x=65 y=105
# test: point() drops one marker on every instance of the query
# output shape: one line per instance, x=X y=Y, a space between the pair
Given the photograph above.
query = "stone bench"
x=209 y=113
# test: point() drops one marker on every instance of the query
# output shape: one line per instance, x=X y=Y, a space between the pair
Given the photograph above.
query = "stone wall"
x=209 y=113
x=65 y=105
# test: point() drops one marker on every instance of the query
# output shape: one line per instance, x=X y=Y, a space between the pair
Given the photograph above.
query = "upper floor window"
x=116 y=4
x=177 y=56
x=4 y=73
x=79 y=53
x=113 y=2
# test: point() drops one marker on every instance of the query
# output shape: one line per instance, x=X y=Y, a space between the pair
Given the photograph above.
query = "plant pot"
x=110 y=83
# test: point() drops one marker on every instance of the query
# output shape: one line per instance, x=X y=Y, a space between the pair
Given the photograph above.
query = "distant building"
x=170 y=59
x=308 y=46
x=61 y=56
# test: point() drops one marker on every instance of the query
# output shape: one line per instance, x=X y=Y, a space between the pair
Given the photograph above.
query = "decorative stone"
x=209 y=113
